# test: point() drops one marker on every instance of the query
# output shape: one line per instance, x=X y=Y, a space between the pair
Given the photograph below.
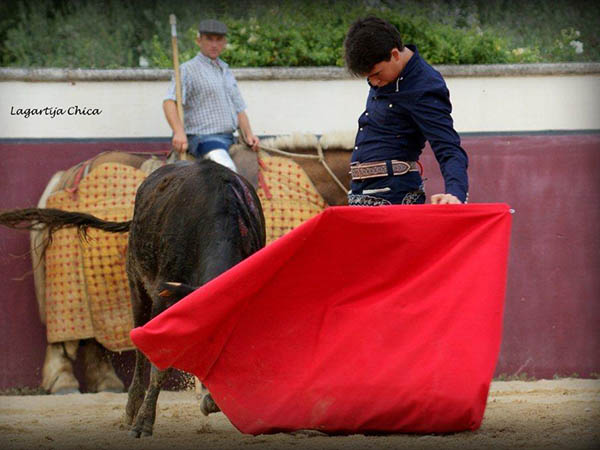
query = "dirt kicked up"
x=548 y=414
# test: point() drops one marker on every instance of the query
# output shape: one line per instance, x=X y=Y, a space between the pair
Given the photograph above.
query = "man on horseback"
x=408 y=104
x=212 y=103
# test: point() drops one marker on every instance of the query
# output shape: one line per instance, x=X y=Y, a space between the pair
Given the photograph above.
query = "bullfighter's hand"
x=179 y=142
x=253 y=141
x=444 y=199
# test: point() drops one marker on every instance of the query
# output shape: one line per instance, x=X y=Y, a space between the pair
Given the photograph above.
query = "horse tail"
x=52 y=220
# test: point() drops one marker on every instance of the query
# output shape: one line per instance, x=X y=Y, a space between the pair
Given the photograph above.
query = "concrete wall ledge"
x=291 y=73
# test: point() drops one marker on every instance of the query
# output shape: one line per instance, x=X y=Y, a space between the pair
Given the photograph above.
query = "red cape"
x=383 y=319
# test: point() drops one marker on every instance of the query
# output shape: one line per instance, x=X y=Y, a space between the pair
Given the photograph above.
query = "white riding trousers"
x=221 y=156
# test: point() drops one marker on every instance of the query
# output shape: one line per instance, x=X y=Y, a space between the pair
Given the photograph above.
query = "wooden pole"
x=173 y=21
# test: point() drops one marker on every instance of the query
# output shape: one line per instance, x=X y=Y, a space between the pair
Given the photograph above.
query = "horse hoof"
x=112 y=390
x=65 y=391
x=107 y=382
x=134 y=434
x=65 y=383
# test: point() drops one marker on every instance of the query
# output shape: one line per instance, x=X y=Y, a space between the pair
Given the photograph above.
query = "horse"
x=324 y=159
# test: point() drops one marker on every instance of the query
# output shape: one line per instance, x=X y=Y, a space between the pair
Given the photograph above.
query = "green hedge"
x=112 y=34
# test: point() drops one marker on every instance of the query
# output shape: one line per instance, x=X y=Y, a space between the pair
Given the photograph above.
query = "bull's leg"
x=208 y=405
x=135 y=395
x=146 y=416
x=57 y=373
x=149 y=307
x=100 y=375
x=141 y=306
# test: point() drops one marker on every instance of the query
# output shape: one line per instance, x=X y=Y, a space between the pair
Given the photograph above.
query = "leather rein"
x=320 y=156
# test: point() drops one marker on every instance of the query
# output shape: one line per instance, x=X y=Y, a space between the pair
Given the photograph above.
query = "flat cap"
x=212 y=26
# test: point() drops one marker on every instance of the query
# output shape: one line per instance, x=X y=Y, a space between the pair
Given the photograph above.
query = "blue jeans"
x=391 y=190
x=200 y=145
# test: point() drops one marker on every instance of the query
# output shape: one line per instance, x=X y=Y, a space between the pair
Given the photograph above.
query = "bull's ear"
x=171 y=289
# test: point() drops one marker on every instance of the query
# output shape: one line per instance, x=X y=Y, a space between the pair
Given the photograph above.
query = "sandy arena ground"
x=549 y=414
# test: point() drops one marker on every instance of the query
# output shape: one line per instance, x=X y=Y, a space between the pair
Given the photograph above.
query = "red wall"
x=552 y=312
x=553 y=294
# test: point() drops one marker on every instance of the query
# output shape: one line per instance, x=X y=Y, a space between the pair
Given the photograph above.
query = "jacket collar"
x=408 y=69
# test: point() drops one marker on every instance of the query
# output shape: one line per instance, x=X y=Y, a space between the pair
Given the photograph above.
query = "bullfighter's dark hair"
x=369 y=41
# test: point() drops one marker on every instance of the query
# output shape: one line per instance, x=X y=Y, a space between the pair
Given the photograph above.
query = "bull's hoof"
x=208 y=405
x=143 y=426
x=137 y=433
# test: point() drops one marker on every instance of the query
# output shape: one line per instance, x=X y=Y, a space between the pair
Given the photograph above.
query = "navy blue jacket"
x=403 y=114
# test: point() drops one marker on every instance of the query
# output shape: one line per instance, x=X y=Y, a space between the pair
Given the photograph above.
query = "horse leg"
x=37 y=239
x=100 y=375
x=57 y=373
x=144 y=421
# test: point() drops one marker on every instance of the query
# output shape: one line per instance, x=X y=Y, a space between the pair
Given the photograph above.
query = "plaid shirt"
x=211 y=98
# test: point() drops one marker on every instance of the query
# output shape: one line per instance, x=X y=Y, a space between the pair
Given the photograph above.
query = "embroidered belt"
x=375 y=169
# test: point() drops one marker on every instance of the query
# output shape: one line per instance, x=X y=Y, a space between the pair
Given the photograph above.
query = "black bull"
x=191 y=222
